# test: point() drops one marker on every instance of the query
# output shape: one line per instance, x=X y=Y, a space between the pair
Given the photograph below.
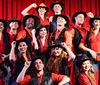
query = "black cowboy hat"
x=37 y=57
x=57 y=43
x=97 y=17
x=77 y=13
x=42 y=5
x=3 y=69
x=36 y=19
x=52 y=5
x=5 y=23
x=41 y=26
x=14 y=20
x=63 y=16
x=81 y=58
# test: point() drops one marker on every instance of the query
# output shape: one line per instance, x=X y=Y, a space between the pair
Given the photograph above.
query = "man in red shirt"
x=30 y=23
x=39 y=75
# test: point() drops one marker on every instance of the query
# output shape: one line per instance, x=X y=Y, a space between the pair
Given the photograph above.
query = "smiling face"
x=30 y=23
x=86 y=65
x=61 y=21
x=57 y=51
x=38 y=63
x=79 y=19
x=43 y=32
x=57 y=9
x=1 y=26
x=96 y=24
x=41 y=10
x=14 y=25
x=22 y=47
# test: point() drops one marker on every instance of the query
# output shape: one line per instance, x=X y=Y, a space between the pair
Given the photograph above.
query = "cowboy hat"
x=77 y=13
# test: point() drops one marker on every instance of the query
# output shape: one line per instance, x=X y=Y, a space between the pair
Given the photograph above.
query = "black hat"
x=37 y=57
x=36 y=19
x=52 y=5
x=5 y=23
x=57 y=43
x=81 y=58
x=97 y=17
x=41 y=26
x=3 y=69
x=63 y=16
x=15 y=20
x=77 y=13
x=42 y=5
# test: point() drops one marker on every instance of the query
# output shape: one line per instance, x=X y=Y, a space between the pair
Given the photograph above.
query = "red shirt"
x=95 y=43
x=55 y=78
x=83 y=32
x=2 y=46
x=84 y=79
x=67 y=37
x=44 y=22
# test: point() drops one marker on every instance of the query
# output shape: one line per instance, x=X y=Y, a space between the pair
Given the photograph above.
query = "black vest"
x=47 y=80
x=60 y=37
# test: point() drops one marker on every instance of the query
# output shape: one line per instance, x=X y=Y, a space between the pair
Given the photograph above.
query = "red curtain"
x=12 y=8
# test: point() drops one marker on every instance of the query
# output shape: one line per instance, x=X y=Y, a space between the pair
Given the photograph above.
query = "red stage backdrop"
x=13 y=8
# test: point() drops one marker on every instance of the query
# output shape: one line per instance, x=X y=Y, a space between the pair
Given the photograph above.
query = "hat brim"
x=61 y=15
x=47 y=9
x=92 y=20
x=77 y=13
x=52 y=5
x=18 y=21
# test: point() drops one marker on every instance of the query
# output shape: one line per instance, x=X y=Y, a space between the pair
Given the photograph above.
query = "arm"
x=22 y=73
x=62 y=79
x=70 y=53
x=93 y=53
x=25 y=11
x=34 y=40
x=12 y=52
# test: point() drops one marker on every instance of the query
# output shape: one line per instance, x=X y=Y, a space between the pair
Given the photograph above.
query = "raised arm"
x=12 y=52
x=36 y=47
x=70 y=53
x=22 y=73
x=25 y=11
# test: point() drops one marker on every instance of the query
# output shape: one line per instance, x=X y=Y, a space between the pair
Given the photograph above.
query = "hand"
x=13 y=44
x=93 y=53
x=63 y=44
x=90 y=14
x=27 y=64
x=33 y=32
x=34 y=5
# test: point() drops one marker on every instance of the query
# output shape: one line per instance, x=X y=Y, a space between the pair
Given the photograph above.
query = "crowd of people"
x=55 y=50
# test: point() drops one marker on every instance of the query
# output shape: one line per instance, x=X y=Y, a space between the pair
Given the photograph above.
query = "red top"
x=84 y=79
x=95 y=43
x=45 y=46
x=55 y=77
x=44 y=22
x=2 y=81
x=67 y=37
x=12 y=37
x=83 y=32
x=2 y=46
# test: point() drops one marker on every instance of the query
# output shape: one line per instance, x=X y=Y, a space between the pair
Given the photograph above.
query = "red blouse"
x=84 y=79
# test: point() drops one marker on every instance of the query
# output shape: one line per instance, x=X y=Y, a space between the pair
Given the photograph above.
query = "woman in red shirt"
x=42 y=10
x=43 y=40
x=93 y=42
x=59 y=62
x=18 y=55
x=86 y=73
